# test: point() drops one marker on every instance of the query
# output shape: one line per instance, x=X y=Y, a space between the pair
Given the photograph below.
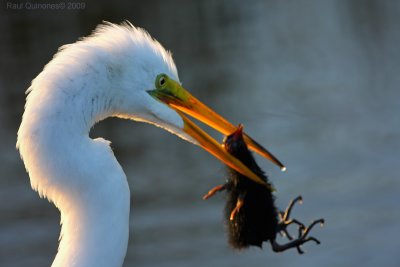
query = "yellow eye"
x=161 y=80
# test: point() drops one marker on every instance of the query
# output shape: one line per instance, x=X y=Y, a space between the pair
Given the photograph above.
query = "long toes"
x=311 y=238
x=320 y=221
x=299 y=250
x=305 y=240
x=295 y=221
x=286 y=233
x=286 y=214
x=298 y=199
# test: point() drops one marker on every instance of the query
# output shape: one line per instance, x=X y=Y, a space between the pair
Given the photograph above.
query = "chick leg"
x=239 y=205
x=214 y=190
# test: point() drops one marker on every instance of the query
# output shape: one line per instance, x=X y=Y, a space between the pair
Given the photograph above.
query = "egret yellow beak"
x=171 y=93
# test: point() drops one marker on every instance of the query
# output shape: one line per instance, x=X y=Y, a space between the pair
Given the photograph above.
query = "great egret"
x=117 y=71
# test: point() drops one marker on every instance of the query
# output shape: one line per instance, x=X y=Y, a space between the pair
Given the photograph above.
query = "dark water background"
x=317 y=82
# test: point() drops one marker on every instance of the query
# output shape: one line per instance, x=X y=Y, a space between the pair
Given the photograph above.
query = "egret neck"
x=80 y=175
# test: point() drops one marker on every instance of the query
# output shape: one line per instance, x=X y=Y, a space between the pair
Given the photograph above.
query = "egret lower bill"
x=171 y=93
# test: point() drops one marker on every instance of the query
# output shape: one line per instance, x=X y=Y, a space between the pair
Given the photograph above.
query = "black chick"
x=251 y=215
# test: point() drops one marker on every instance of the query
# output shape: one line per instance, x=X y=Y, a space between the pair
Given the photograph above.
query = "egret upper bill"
x=175 y=96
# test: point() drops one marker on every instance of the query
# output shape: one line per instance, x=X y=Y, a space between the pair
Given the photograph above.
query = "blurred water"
x=314 y=81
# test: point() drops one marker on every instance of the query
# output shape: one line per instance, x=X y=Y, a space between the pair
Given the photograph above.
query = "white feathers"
x=105 y=74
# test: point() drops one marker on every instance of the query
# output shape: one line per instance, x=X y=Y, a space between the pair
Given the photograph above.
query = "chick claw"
x=285 y=220
x=302 y=238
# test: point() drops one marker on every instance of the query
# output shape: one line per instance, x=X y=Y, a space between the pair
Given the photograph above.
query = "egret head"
x=149 y=90
x=172 y=94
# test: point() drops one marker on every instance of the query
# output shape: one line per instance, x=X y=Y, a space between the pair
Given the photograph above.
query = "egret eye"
x=161 y=81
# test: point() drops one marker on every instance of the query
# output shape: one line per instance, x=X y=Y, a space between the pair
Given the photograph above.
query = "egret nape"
x=117 y=71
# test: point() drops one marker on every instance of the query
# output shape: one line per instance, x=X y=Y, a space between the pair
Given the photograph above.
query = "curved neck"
x=95 y=223
x=79 y=175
